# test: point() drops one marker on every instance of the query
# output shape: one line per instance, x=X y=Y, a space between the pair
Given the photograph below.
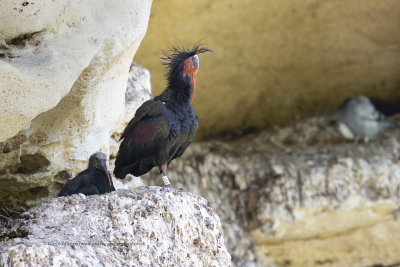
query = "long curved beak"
x=108 y=176
x=103 y=167
x=193 y=80
x=191 y=65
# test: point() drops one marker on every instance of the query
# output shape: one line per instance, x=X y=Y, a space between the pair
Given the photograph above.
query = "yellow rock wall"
x=362 y=236
x=275 y=60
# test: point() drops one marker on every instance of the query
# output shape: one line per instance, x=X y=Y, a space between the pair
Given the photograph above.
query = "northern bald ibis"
x=163 y=127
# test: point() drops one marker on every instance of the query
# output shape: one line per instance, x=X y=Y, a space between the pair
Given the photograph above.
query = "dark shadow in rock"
x=13 y=143
x=31 y=163
x=24 y=39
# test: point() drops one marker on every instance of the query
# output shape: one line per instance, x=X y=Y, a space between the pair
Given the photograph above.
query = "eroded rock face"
x=45 y=154
x=299 y=195
x=63 y=76
x=150 y=226
x=51 y=49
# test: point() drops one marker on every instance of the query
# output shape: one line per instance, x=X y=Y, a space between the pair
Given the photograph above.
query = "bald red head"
x=191 y=65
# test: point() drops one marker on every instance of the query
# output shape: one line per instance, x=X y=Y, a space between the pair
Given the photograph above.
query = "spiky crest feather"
x=178 y=86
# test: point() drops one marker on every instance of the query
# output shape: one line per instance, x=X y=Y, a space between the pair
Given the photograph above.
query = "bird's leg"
x=165 y=177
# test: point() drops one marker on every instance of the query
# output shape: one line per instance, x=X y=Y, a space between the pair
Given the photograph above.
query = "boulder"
x=71 y=58
x=152 y=226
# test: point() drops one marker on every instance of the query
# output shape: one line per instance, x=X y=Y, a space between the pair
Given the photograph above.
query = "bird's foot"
x=166 y=181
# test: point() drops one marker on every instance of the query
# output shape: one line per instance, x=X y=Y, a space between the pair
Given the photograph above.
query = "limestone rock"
x=64 y=68
x=277 y=60
x=151 y=226
x=300 y=195
x=52 y=49
x=33 y=167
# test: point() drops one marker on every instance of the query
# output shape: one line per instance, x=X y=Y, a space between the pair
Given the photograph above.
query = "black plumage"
x=94 y=180
x=163 y=127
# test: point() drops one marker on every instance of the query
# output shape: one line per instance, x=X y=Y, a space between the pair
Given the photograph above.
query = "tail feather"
x=121 y=162
x=137 y=168
x=122 y=171
x=389 y=125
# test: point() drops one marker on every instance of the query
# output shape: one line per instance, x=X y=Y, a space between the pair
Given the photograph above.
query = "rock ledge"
x=150 y=226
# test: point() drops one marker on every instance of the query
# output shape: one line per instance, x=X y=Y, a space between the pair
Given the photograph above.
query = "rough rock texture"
x=53 y=49
x=152 y=226
x=63 y=71
x=36 y=162
x=299 y=195
x=275 y=60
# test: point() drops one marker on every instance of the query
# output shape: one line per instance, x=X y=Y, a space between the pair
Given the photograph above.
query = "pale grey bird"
x=357 y=118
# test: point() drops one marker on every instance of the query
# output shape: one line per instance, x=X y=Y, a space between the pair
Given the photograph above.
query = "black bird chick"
x=94 y=180
x=163 y=127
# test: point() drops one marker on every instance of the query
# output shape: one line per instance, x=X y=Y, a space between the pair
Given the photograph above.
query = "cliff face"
x=150 y=226
x=70 y=52
x=289 y=196
x=299 y=195
x=64 y=68
x=276 y=60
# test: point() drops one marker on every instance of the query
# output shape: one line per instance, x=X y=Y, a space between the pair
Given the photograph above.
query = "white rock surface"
x=50 y=49
x=32 y=166
x=64 y=67
x=152 y=226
